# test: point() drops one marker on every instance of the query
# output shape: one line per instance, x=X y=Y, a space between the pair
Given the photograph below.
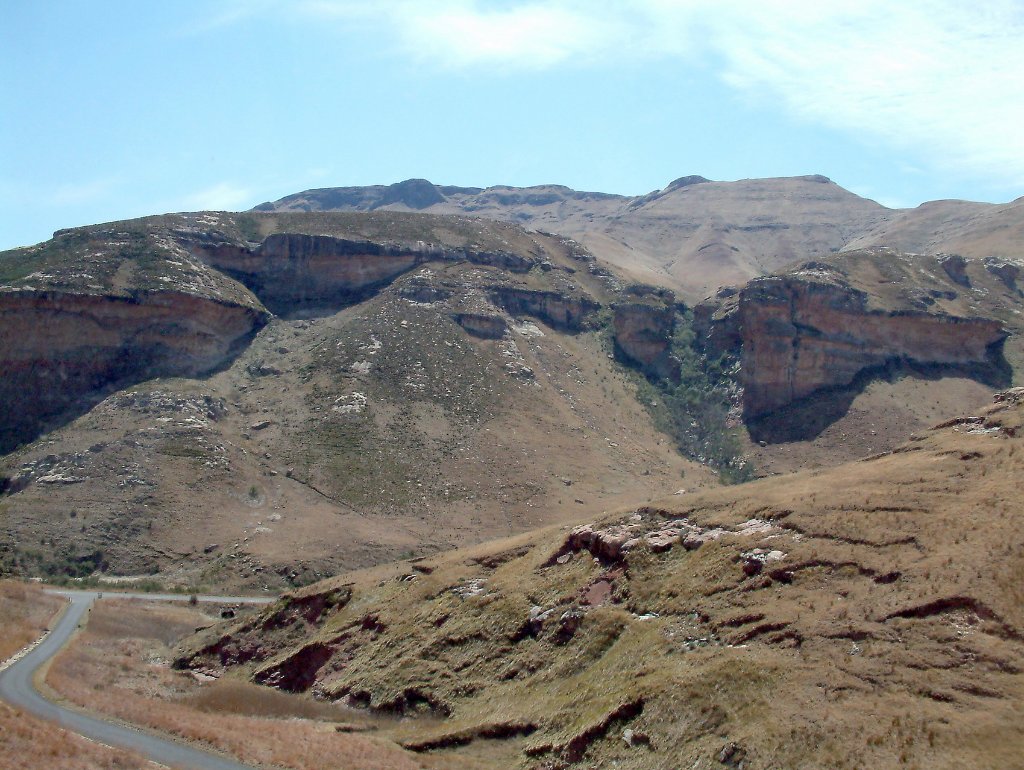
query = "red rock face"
x=562 y=311
x=643 y=332
x=56 y=348
x=290 y=271
x=800 y=336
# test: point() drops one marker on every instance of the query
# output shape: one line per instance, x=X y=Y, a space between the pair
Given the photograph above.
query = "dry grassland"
x=27 y=743
x=25 y=612
x=119 y=666
x=871 y=615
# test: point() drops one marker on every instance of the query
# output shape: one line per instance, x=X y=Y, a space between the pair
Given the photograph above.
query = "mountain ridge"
x=696 y=235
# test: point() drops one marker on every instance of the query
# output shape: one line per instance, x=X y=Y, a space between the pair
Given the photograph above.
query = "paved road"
x=17 y=688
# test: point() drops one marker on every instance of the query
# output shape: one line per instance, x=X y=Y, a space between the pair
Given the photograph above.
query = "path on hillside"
x=18 y=689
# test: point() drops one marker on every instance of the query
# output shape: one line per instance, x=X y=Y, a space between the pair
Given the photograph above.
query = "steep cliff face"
x=643 y=326
x=802 y=335
x=295 y=272
x=566 y=311
x=290 y=271
x=58 y=349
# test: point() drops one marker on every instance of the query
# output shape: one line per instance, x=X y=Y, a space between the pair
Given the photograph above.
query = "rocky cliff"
x=801 y=334
x=644 y=323
x=563 y=310
x=59 y=351
x=824 y=324
x=292 y=271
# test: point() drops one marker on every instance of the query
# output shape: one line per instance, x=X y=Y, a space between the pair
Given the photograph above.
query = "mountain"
x=693 y=236
x=871 y=615
x=264 y=398
x=696 y=235
x=959 y=227
x=261 y=399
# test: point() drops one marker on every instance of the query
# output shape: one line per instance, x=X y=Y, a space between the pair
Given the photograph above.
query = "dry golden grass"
x=890 y=633
x=118 y=666
x=27 y=743
x=24 y=612
x=236 y=696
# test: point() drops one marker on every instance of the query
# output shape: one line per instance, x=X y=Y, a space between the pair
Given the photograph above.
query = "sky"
x=112 y=110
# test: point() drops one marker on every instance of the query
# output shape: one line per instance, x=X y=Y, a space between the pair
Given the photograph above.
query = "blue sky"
x=120 y=109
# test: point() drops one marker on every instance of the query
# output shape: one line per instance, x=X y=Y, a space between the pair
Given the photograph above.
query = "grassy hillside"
x=866 y=616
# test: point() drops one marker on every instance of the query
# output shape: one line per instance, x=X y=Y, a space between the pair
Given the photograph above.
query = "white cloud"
x=941 y=78
x=77 y=193
x=468 y=33
x=224 y=196
x=531 y=36
x=937 y=77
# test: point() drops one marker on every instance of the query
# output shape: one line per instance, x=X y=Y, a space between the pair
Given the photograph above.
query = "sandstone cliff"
x=644 y=322
x=57 y=348
x=823 y=325
x=801 y=334
x=292 y=271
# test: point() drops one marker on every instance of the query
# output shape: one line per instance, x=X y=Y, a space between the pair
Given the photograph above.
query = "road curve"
x=18 y=689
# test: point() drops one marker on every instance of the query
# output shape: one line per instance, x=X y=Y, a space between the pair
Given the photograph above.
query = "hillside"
x=864 y=616
x=959 y=227
x=403 y=383
x=266 y=398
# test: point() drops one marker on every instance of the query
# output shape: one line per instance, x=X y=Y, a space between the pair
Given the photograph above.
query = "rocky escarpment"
x=293 y=272
x=810 y=330
x=561 y=310
x=801 y=335
x=644 y=324
x=59 y=350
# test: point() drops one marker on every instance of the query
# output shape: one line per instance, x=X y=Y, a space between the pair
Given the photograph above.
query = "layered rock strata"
x=57 y=348
x=291 y=272
x=560 y=310
x=643 y=327
x=800 y=335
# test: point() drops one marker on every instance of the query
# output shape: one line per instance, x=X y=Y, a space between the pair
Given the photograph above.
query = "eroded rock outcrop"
x=1006 y=271
x=59 y=348
x=801 y=334
x=292 y=272
x=955 y=267
x=484 y=325
x=560 y=310
x=643 y=326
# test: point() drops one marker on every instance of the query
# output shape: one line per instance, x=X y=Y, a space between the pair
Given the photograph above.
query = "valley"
x=719 y=476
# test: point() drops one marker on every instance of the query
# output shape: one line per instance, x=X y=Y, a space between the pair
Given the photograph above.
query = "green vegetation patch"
x=699 y=412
